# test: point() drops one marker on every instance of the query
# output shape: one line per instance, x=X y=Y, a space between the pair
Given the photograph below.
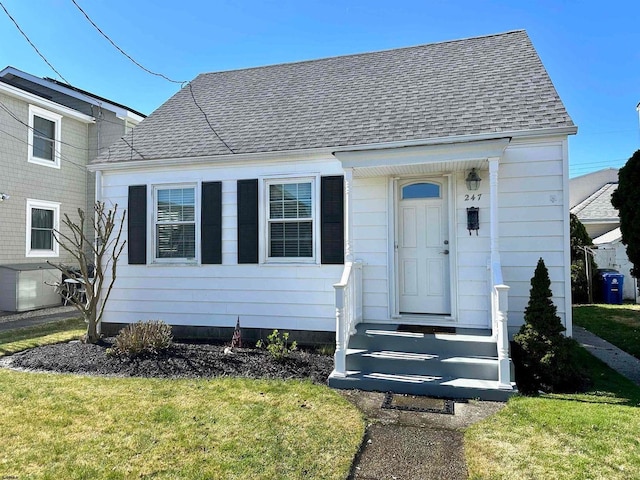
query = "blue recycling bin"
x=611 y=282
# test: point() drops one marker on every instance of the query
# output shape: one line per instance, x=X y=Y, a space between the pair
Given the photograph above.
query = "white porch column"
x=348 y=215
x=493 y=196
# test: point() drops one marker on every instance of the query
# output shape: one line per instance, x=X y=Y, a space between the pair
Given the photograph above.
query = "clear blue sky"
x=590 y=48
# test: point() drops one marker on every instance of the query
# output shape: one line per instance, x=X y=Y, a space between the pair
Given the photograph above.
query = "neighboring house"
x=590 y=196
x=49 y=132
x=340 y=197
x=590 y=201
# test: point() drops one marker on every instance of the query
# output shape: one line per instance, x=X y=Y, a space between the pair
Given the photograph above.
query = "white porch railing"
x=348 y=311
x=499 y=324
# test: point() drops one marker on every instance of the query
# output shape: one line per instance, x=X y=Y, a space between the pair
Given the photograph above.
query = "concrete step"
x=437 y=363
x=428 y=385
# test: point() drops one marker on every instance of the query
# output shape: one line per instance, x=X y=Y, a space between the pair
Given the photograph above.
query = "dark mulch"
x=181 y=360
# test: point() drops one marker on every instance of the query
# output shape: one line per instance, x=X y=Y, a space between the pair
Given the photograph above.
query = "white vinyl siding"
x=285 y=294
x=44 y=137
x=43 y=218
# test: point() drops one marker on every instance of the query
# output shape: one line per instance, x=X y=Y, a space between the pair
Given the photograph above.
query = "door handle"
x=446 y=252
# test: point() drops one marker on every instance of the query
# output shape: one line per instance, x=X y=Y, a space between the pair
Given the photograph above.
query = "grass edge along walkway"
x=574 y=436
x=617 y=324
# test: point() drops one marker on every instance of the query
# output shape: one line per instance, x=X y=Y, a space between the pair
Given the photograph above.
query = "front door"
x=423 y=247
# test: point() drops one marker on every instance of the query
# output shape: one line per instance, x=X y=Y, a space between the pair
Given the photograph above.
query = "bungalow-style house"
x=49 y=132
x=397 y=201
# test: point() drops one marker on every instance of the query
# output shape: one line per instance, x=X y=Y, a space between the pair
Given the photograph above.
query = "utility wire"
x=32 y=44
x=122 y=51
x=182 y=83
x=206 y=117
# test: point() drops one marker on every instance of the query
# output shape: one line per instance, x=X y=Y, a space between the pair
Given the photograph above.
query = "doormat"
x=415 y=403
x=426 y=329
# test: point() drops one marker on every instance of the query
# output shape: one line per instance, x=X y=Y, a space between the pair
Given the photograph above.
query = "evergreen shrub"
x=544 y=357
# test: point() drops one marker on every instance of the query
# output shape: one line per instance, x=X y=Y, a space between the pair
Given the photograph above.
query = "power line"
x=32 y=44
x=206 y=117
x=122 y=51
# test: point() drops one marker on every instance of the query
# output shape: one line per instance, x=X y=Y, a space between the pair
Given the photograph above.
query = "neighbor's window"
x=290 y=219
x=44 y=137
x=42 y=220
x=175 y=229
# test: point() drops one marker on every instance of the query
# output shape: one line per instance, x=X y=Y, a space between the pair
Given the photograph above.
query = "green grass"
x=12 y=341
x=618 y=324
x=75 y=427
x=593 y=435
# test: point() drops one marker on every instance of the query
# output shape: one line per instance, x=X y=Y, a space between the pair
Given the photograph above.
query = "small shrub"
x=545 y=359
x=278 y=345
x=142 y=338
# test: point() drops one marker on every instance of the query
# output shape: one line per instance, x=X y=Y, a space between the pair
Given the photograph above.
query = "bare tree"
x=94 y=258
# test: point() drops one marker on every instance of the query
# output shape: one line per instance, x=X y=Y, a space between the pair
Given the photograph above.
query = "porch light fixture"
x=473 y=180
x=3 y=197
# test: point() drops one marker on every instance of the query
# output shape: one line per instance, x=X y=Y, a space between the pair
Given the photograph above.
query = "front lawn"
x=68 y=426
x=617 y=324
x=580 y=436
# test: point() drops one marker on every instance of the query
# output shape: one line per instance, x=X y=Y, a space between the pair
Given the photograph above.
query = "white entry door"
x=423 y=247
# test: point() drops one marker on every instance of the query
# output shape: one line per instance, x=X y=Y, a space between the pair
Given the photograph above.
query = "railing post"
x=504 y=364
x=340 y=354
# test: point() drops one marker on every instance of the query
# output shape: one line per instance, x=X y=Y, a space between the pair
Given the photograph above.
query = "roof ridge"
x=362 y=54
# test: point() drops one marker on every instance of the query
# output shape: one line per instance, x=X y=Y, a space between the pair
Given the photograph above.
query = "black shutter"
x=248 y=221
x=332 y=220
x=211 y=223
x=137 y=225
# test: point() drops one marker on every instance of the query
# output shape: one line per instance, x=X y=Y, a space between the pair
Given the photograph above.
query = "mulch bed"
x=181 y=360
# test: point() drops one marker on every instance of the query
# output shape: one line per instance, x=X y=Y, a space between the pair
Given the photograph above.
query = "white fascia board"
x=529 y=134
x=130 y=116
x=227 y=159
x=119 y=111
x=418 y=155
x=44 y=103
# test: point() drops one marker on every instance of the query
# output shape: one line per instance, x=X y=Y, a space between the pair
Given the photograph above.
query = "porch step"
x=386 y=337
x=463 y=364
x=428 y=385
x=388 y=361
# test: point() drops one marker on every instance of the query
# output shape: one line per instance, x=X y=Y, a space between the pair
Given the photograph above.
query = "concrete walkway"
x=622 y=362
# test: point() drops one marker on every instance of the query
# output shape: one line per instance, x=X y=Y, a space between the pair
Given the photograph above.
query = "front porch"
x=427 y=270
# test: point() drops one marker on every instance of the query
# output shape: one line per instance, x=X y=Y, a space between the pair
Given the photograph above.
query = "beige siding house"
x=49 y=132
x=394 y=201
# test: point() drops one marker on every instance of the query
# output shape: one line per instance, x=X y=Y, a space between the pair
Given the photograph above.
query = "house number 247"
x=471 y=198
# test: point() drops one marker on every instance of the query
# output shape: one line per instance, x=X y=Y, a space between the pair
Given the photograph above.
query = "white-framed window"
x=175 y=228
x=43 y=218
x=290 y=219
x=45 y=129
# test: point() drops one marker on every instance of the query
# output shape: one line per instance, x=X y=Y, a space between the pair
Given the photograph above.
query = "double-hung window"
x=175 y=225
x=43 y=220
x=44 y=137
x=290 y=219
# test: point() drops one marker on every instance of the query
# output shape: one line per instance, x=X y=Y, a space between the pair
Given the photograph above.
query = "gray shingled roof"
x=473 y=86
x=598 y=205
